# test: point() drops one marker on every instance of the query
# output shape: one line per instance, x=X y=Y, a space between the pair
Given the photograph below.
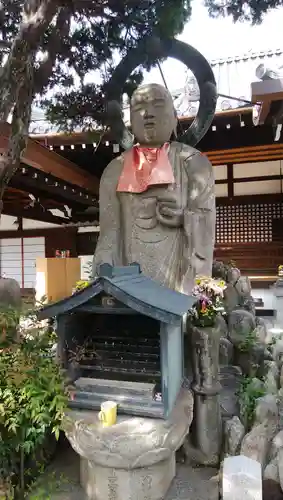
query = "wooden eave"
x=249 y=154
x=65 y=139
x=41 y=158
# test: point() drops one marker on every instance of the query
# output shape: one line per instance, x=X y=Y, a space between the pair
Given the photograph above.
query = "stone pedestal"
x=103 y=483
x=132 y=460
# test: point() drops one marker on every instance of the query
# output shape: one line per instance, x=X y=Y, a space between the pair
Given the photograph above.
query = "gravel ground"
x=61 y=481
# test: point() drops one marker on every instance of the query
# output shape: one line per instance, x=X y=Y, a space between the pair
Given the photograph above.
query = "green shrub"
x=33 y=397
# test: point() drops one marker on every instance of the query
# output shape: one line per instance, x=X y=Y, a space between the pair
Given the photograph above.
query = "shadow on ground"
x=61 y=480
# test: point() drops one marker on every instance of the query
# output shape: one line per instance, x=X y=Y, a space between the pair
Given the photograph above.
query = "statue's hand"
x=169 y=212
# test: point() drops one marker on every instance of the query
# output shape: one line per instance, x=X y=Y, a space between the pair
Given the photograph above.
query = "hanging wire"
x=166 y=86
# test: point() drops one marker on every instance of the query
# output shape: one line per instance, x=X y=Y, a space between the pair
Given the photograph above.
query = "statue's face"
x=153 y=117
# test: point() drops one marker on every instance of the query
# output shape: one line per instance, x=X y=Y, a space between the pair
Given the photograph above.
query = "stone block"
x=234 y=432
x=241 y=479
x=144 y=483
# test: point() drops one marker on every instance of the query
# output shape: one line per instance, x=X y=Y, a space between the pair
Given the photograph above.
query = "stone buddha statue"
x=157 y=201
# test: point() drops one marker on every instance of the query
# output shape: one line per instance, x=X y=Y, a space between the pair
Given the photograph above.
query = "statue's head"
x=153 y=117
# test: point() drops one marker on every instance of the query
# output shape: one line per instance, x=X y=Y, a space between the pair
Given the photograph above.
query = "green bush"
x=33 y=397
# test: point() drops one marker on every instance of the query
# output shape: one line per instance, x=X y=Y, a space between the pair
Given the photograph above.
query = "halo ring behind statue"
x=184 y=53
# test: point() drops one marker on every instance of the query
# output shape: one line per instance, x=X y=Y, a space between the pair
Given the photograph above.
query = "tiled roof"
x=233 y=75
x=130 y=287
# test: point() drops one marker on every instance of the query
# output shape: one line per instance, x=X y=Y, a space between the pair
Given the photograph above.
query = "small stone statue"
x=157 y=202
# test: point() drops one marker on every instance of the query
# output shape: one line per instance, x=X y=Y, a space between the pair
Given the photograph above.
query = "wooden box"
x=55 y=278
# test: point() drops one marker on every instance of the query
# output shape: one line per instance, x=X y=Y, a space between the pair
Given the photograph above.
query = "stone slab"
x=242 y=479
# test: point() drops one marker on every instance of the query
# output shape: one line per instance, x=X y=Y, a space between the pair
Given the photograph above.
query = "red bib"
x=144 y=167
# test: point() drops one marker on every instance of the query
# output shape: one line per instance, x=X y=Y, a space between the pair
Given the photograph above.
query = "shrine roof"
x=132 y=289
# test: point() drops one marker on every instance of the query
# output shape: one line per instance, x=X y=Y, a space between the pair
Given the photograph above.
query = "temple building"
x=58 y=182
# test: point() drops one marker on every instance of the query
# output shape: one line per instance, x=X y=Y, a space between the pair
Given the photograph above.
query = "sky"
x=217 y=38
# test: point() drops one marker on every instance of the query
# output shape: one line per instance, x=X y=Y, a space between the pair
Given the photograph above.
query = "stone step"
x=115 y=387
x=100 y=397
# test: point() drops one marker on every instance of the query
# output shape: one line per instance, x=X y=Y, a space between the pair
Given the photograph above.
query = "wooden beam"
x=247 y=200
x=245 y=159
x=62 y=139
x=252 y=154
x=43 y=231
x=40 y=183
x=230 y=178
x=41 y=158
x=33 y=213
x=258 y=178
x=246 y=149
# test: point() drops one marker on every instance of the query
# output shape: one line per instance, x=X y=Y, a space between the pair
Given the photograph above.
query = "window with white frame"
x=18 y=259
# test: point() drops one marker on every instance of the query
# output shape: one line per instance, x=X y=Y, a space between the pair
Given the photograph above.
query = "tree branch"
x=17 y=82
x=31 y=30
x=55 y=44
x=10 y=161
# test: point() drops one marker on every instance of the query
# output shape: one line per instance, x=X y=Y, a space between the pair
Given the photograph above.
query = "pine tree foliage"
x=250 y=10
x=63 y=51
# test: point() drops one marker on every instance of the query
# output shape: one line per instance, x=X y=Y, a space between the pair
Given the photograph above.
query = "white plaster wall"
x=36 y=224
x=85 y=259
x=266 y=294
x=7 y=223
x=257 y=169
x=221 y=190
x=89 y=229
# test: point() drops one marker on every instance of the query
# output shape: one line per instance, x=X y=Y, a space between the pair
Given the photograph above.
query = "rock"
x=225 y=352
x=277 y=352
x=250 y=359
x=234 y=432
x=240 y=323
x=271 y=471
x=271 y=378
x=10 y=293
x=256 y=384
x=271 y=490
x=241 y=479
x=280 y=466
x=233 y=275
x=267 y=409
x=243 y=286
x=222 y=324
x=231 y=298
x=257 y=443
x=276 y=445
x=254 y=388
x=260 y=330
x=237 y=294
x=230 y=378
x=280 y=406
x=246 y=300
